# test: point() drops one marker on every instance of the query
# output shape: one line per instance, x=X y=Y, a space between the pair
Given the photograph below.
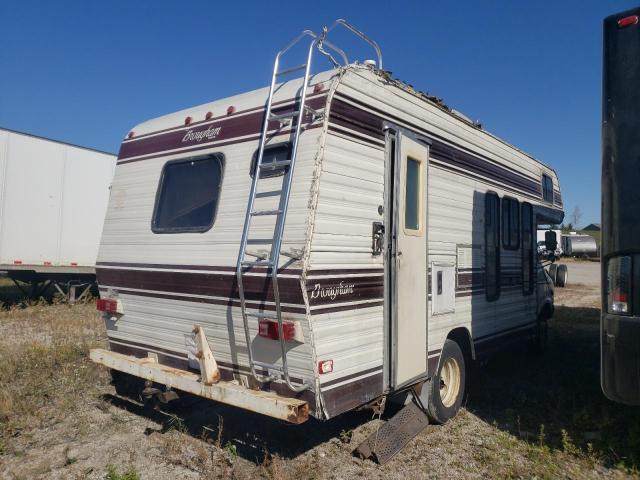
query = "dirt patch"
x=525 y=417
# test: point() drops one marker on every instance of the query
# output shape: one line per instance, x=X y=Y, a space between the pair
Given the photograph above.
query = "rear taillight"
x=269 y=329
x=108 y=305
x=619 y=285
x=628 y=21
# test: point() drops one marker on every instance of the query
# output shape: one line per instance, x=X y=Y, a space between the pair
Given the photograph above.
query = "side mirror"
x=550 y=241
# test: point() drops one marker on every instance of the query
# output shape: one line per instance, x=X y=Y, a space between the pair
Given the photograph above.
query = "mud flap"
x=389 y=439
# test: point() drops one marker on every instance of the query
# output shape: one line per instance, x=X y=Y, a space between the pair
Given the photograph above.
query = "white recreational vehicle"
x=53 y=198
x=310 y=248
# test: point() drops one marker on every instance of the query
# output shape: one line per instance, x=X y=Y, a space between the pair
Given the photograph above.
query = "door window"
x=413 y=197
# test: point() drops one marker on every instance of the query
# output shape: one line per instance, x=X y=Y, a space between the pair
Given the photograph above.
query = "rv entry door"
x=407 y=257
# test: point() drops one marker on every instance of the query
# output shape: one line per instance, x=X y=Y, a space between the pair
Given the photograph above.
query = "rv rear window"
x=188 y=193
x=273 y=153
x=510 y=223
x=547 y=188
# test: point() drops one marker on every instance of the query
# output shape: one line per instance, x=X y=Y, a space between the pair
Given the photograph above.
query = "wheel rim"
x=449 y=382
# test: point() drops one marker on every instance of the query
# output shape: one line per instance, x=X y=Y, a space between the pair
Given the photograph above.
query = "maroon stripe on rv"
x=557 y=198
x=292 y=271
x=359 y=138
x=350 y=376
x=211 y=301
x=351 y=395
x=201 y=283
x=204 y=135
x=441 y=148
x=257 y=288
x=236 y=303
x=219 y=117
x=353 y=289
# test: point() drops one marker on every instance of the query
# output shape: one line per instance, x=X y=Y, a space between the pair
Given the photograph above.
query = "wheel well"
x=463 y=338
x=546 y=312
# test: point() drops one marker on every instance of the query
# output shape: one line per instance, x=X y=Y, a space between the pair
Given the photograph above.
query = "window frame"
x=420 y=197
x=513 y=205
x=277 y=173
x=200 y=229
x=528 y=254
x=491 y=295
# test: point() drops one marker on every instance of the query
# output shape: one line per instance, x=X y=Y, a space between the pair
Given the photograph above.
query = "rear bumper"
x=266 y=403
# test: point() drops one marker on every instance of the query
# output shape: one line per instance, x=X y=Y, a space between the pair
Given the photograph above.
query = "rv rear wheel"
x=562 y=275
x=553 y=272
x=445 y=390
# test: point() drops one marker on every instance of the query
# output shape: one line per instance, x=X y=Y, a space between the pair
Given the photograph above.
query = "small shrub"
x=231 y=449
x=567 y=443
x=129 y=474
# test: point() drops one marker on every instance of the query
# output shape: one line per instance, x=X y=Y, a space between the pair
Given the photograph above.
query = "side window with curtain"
x=547 y=188
x=527 y=249
x=492 y=245
x=510 y=223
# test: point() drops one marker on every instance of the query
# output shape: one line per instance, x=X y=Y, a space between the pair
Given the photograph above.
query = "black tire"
x=553 y=271
x=443 y=405
x=562 y=276
x=127 y=385
x=540 y=337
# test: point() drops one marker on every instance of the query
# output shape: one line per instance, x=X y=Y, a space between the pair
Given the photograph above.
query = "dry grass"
x=526 y=417
x=43 y=363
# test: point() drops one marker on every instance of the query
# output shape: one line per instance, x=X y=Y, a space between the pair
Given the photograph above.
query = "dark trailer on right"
x=620 y=254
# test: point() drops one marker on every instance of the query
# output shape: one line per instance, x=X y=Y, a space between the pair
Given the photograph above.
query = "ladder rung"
x=260 y=213
x=291 y=255
x=274 y=165
x=292 y=69
x=256 y=263
x=267 y=365
x=269 y=193
x=260 y=255
x=270 y=316
x=312 y=111
x=283 y=116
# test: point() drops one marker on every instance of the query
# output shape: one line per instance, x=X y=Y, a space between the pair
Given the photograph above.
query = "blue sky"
x=86 y=72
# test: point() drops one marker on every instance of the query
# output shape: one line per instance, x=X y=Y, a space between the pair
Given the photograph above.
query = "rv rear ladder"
x=243 y=266
x=295 y=118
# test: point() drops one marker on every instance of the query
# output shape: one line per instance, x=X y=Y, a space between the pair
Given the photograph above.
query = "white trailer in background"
x=53 y=199
x=577 y=245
